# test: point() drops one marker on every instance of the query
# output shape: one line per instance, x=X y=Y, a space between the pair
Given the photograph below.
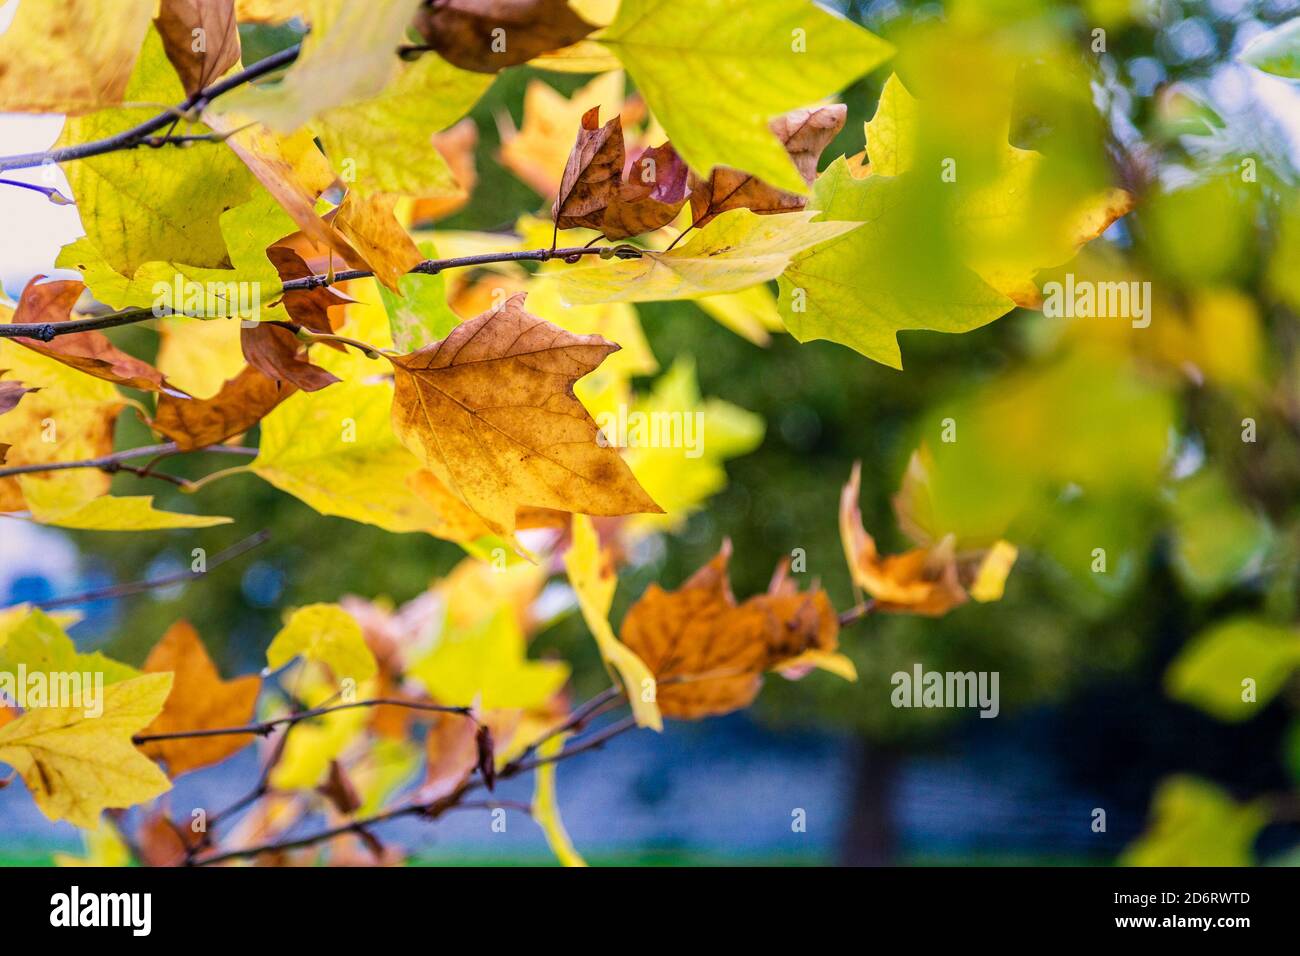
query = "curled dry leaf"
x=490 y=411
x=592 y=174
x=199 y=700
x=242 y=402
x=804 y=134
x=653 y=192
x=89 y=352
x=181 y=23
x=11 y=393
x=488 y=35
x=930 y=580
x=708 y=653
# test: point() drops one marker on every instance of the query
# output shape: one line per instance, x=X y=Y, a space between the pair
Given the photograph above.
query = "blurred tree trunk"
x=869 y=836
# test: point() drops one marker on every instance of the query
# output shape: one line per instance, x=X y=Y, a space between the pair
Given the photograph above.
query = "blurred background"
x=1075 y=435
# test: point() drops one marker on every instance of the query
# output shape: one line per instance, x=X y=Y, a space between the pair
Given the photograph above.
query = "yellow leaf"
x=349 y=55
x=75 y=765
x=750 y=313
x=715 y=72
x=736 y=250
x=71 y=418
x=488 y=662
x=62 y=503
x=546 y=810
x=425 y=97
x=324 y=633
x=70 y=56
x=104 y=847
x=592 y=575
x=991 y=575
x=199 y=355
x=37 y=642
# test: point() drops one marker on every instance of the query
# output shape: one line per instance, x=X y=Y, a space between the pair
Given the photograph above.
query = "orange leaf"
x=199 y=700
x=242 y=402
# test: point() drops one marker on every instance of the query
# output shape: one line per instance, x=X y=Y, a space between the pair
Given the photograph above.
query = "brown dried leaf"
x=278 y=354
x=592 y=175
x=490 y=411
x=179 y=23
x=11 y=393
x=452 y=750
x=708 y=653
x=89 y=352
x=199 y=700
x=242 y=402
x=654 y=192
x=804 y=133
x=339 y=790
x=488 y=35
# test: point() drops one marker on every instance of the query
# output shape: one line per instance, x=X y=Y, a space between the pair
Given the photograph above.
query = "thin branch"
x=49 y=192
x=264 y=727
x=856 y=613
x=47 y=331
x=593 y=742
x=180 y=577
x=139 y=135
x=112 y=462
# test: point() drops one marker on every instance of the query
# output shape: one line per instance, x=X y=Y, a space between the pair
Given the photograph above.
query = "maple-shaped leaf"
x=76 y=765
x=592 y=174
x=716 y=72
x=70 y=56
x=804 y=134
x=735 y=251
x=489 y=35
x=89 y=352
x=199 y=700
x=181 y=24
x=709 y=653
x=242 y=402
x=490 y=411
x=930 y=580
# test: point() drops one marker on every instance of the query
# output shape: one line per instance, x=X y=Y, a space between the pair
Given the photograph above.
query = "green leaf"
x=384 y=142
x=1195 y=823
x=864 y=287
x=40 y=645
x=715 y=72
x=1213 y=668
x=1217 y=538
x=419 y=315
x=1277 y=51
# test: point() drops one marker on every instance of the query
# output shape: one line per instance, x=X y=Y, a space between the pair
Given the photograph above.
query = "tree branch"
x=264 y=727
x=47 y=331
x=180 y=577
x=113 y=462
x=139 y=135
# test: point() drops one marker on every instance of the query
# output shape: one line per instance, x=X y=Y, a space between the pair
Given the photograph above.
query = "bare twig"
x=139 y=135
x=113 y=462
x=180 y=577
x=856 y=613
x=46 y=331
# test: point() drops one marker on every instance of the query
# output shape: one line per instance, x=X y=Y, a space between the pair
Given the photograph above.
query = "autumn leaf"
x=735 y=251
x=199 y=700
x=179 y=22
x=62 y=501
x=804 y=134
x=89 y=352
x=930 y=580
x=198 y=355
x=592 y=174
x=349 y=55
x=12 y=392
x=83 y=408
x=38 y=642
x=593 y=578
x=70 y=56
x=716 y=72
x=545 y=807
x=373 y=231
x=457 y=146
x=451 y=750
x=709 y=653
x=490 y=411
x=324 y=633
x=242 y=403
x=76 y=765
x=654 y=191
x=490 y=35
